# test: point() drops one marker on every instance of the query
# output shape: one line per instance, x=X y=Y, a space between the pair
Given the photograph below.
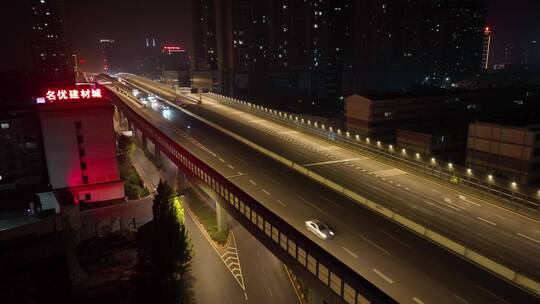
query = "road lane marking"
x=373 y=244
x=312 y=205
x=281 y=203
x=265 y=192
x=464 y=198
x=396 y=239
x=487 y=221
x=440 y=207
x=271 y=178
x=330 y=201
x=390 y=172
x=270 y=292
x=221 y=160
x=230 y=166
x=461 y=299
x=332 y=161
x=417 y=300
x=382 y=275
x=492 y=294
x=349 y=252
x=499 y=216
x=243 y=161
x=253 y=183
x=528 y=238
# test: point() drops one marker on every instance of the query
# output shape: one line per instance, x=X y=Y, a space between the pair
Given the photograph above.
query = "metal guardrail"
x=427 y=166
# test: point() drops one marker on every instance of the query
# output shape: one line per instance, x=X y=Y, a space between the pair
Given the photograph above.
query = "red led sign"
x=72 y=94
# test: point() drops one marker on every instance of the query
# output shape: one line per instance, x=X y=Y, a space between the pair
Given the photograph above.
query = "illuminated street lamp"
x=391 y=147
x=450 y=166
x=348 y=134
x=417 y=155
x=357 y=137
x=469 y=171
x=514 y=186
x=490 y=177
x=403 y=151
x=378 y=143
x=367 y=139
x=433 y=161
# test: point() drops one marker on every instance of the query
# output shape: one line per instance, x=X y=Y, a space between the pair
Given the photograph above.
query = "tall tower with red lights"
x=487 y=48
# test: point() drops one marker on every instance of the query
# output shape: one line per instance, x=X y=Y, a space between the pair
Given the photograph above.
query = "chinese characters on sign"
x=71 y=94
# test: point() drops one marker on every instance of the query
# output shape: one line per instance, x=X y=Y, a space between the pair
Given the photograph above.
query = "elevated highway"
x=397 y=262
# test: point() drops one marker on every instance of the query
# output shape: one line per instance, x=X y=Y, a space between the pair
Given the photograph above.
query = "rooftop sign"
x=66 y=95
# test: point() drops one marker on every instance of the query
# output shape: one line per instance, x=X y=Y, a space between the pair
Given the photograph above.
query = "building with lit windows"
x=37 y=55
x=486 y=53
x=79 y=144
x=507 y=150
x=65 y=142
x=108 y=55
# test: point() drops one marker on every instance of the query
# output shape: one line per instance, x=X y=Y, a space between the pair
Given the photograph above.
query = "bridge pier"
x=313 y=297
x=181 y=183
x=157 y=152
x=222 y=218
x=143 y=141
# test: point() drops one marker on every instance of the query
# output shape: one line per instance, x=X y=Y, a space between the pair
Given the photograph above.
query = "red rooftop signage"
x=59 y=95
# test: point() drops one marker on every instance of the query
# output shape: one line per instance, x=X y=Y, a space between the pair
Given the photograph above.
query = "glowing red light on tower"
x=487 y=30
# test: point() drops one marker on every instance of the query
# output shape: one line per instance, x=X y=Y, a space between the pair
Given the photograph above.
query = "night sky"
x=515 y=22
x=126 y=21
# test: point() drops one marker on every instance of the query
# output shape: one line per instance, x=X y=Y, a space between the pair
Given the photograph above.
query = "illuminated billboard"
x=72 y=94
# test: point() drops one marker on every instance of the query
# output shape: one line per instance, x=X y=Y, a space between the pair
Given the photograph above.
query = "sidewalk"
x=146 y=169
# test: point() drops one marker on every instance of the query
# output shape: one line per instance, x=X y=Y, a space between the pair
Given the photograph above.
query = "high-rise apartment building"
x=486 y=51
x=37 y=53
x=454 y=38
x=50 y=52
x=108 y=51
x=315 y=52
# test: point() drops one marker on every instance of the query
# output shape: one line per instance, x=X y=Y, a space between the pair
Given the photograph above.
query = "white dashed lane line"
x=349 y=252
x=528 y=238
x=265 y=192
x=281 y=203
x=230 y=166
x=382 y=275
x=417 y=300
x=253 y=183
x=373 y=244
x=221 y=160
x=486 y=221
x=461 y=299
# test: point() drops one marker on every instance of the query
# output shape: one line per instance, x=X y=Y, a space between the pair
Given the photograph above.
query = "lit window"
x=4 y=125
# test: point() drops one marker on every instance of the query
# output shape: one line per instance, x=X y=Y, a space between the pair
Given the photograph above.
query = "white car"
x=320 y=229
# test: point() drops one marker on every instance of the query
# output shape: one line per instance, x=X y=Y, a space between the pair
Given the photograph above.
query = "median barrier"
x=446 y=242
x=499 y=269
x=409 y=224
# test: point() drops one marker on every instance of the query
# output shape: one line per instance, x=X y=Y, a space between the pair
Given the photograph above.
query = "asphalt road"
x=402 y=264
x=263 y=274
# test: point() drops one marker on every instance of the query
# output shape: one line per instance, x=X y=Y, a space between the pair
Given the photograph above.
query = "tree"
x=171 y=249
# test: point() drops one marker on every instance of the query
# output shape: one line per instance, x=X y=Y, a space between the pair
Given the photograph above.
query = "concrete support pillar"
x=313 y=297
x=222 y=218
x=181 y=183
x=143 y=141
x=157 y=152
